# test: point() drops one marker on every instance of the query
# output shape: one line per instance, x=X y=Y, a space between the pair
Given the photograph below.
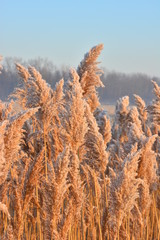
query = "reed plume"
x=90 y=76
x=123 y=192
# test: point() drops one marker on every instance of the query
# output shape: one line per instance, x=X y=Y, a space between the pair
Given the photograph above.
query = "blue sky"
x=63 y=30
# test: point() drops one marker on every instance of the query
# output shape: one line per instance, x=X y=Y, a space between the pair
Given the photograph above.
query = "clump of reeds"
x=66 y=172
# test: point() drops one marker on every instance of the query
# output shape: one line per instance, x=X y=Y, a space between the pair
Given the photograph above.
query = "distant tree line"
x=122 y=84
x=9 y=78
x=116 y=84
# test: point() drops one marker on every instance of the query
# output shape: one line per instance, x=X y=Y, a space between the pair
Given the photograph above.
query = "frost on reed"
x=103 y=124
x=66 y=173
x=123 y=193
x=97 y=156
x=141 y=107
x=89 y=75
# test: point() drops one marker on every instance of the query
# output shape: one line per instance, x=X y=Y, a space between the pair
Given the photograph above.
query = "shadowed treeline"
x=9 y=78
x=121 y=84
x=116 y=84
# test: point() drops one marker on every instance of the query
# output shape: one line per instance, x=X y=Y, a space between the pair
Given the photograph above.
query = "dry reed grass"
x=65 y=173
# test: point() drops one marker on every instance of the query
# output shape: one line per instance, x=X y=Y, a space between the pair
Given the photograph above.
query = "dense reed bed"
x=66 y=172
